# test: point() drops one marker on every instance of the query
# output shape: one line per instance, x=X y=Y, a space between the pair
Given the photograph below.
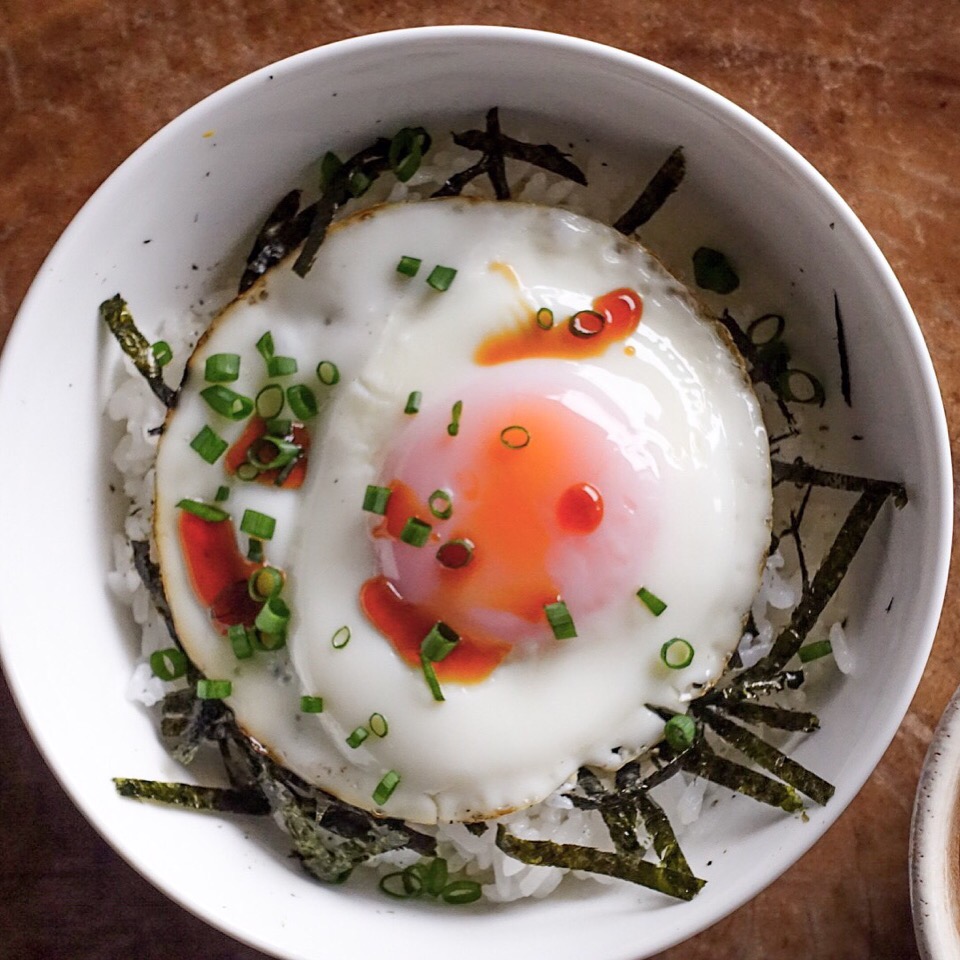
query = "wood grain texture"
x=868 y=90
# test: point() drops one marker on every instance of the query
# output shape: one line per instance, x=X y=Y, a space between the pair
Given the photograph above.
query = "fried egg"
x=519 y=451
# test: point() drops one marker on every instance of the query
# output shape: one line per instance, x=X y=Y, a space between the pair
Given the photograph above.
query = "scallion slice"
x=378 y=724
x=544 y=318
x=439 y=643
x=441 y=504
x=415 y=532
x=430 y=675
x=213 y=689
x=273 y=617
x=302 y=401
x=269 y=641
x=455 y=554
x=228 y=403
x=680 y=731
x=408 y=266
x=222 y=494
x=406 y=152
x=240 y=641
x=402 y=884
x=798 y=386
x=587 y=323
x=558 y=616
x=357 y=737
x=264 y=583
x=413 y=402
x=340 y=638
x=281 y=366
x=162 y=353
x=814 y=651
x=461 y=891
x=385 y=787
x=222 y=368
x=209 y=445
x=651 y=601
x=205 y=511
x=453 y=427
x=269 y=401
x=359 y=183
x=272 y=453
x=328 y=373
x=441 y=277
x=330 y=166
x=265 y=345
x=256 y=524
x=375 y=499
x=255 y=550
x=515 y=437
x=311 y=704
x=677 y=653
x=168 y=664
x=247 y=471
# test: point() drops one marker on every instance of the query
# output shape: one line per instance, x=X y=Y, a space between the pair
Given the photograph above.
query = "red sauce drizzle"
x=255 y=429
x=621 y=310
x=580 y=508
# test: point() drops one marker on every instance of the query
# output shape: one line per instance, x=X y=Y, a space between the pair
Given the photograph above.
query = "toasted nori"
x=842 y=352
x=780 y=718
x=149 y=573
x=220 y=799
x=285 y=228
x=118 y=318
x=801 y=473
x=655 y=194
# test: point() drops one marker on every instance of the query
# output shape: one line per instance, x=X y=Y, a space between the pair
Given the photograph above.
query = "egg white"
x=512 y=739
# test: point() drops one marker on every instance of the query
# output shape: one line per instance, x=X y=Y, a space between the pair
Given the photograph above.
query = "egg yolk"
x=544 y=503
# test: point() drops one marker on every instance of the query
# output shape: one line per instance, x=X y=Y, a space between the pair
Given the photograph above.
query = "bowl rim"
x=663 y=77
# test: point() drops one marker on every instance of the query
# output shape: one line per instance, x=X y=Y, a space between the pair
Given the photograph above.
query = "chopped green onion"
x=415 y=532
x=386 y=787
x=168 y=664
x=281 y=366
x=273 y=617
x=222 y=368
x=798 y=386
x=680 y=731
x=652 y=602
x=409 y=266
x=430 y=675
x=441 y=504
x=269 y=401
x=402 y=884
x=270 y=641
x=205 y=511
x=357 y=737
x=162 y=353
x=455 y=554
x=209 y=445
x=560 y=620
x=759 y=333
x=515 y=437
x=439 y=643
x=340 y=638
x=587 y=323
x=406 y=152
x=214 y=689
x=227 y=402
x=413 y=402
x=257 y=524
x=240 y=641
x=272 y=453
x=378 y=724
x=375 y=499
x=359 y=183
x=264 y=583
x=302 y=401
x=330 y=166
x=461 y=891
x=814 y=651
x=279 y=427
x=311 y=704
x=544 y=318
x=247 y=471
x=441 y=277
x=677 y=653
x=328 y=373
x=222 y=494
x=265 y=345
x=255 y=550
x=453 y=428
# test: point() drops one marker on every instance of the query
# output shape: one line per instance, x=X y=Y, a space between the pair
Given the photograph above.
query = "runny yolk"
x=619 y=312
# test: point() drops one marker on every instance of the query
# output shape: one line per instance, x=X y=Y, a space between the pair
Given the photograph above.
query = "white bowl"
x=198 y=199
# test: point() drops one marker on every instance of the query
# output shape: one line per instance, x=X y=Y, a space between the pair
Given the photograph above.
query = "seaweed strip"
x=825 y=582
x=752 y=688
x=768 y=757
x=655 y=194
x=495 y=146
x=621 y=819
x=219 y=799
x=703 y=762
x=117 y=316
x=842 y=351
x=665 y=841
x=285 y=228
x=149 y=573
x=780 y=718
x=801 y=473
x=546 y=853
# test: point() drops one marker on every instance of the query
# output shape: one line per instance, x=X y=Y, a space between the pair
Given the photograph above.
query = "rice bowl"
x=753 y=829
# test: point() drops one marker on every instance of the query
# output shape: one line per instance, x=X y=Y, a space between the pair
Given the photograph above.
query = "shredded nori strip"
x=779 y=718
x=219 y=799
x=621 y=819
x=655 y=193
x=495 y=146
x=149 y=573
x=768 y=757
x=665 y=841
x=801 y=473
x=116 y=314
x=285 y=228
x=751 y=688
x=842 y=351
x=546 y=853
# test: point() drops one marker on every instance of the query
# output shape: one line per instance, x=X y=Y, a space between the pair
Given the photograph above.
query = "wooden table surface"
x=868 y=90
